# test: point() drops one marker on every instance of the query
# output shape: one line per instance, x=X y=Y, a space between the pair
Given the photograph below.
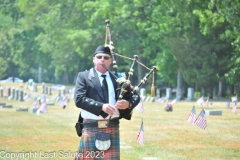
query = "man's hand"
x=109 y=109
x=122 y=104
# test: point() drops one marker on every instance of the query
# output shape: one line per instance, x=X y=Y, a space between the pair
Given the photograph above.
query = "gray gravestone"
x=16 y=95
x=51 y=103
x=22 y=109
x=20 y=95
x=2 y=105
x=9 y=92
x=34 y=87
x=7 y=106
x=46 y=89
x=12 y=94
x=49 y=90
x=43 y=88
x=168 y=93
x=34 y=110
x=1 y=92
x=190 y=95
x=59 y=93
x=63 y=91
x=158 y=93
x=179 y=94
x=213 y=113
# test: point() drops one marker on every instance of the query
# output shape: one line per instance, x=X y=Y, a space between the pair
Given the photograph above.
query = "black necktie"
x=105 y=88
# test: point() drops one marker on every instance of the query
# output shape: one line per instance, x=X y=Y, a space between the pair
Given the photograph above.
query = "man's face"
x=101 y=59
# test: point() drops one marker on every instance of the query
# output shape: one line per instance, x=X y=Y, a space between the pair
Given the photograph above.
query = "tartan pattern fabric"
x=87 y=149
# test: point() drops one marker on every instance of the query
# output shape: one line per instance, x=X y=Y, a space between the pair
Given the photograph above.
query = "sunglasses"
x=104 y=57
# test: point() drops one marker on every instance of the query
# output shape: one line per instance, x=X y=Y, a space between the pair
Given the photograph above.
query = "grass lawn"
x=167 y=135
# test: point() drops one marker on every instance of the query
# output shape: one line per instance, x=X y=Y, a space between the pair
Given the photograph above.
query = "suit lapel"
x=93 y=77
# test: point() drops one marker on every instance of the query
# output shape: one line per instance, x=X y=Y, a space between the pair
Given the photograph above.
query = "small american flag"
x=200 y=101
x=160 y=100
x=27 y=97
x=201 y=121
x=192 y=116
x=61 y=102
x=207 y=102
x=234 y=109
x=174 y=101
x=43 y=107
x=66 y=101
x=34 y=104
x=140 y=136
x=166 y=102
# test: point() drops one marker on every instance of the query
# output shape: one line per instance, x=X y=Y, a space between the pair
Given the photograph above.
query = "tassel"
x=152 y=91
x=153 y=88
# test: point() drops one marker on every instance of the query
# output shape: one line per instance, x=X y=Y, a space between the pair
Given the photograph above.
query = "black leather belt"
x=101 y=124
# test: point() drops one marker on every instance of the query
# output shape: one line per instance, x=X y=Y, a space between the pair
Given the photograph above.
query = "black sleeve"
x=85 y=96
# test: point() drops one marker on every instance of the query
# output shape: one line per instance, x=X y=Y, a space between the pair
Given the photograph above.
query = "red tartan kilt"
x=87 y=149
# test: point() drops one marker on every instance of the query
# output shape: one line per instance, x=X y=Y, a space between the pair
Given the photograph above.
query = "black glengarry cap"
x=103 y=49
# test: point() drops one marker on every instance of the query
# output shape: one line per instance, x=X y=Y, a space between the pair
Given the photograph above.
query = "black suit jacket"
x=89 y=96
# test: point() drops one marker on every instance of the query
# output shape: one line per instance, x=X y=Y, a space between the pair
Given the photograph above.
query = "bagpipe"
x=126 y=88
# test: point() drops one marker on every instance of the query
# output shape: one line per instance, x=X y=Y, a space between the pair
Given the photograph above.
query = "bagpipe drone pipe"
x=126 y=89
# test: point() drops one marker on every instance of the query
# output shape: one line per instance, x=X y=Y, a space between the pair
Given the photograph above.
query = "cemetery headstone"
x=34 y=87
x=64 y=91
x=190 y=95
x=2 y=105
x=158 y=93
x=142 y=92
x=168 y=93
x=49 y=90
x=16 y=95
x=1 y=92
x=12 y=94
x=43 y=88
x=179 y=94
x=20 y=95
x=8 y=91
x=46 y=89
x=59 y=93
x=22 y=109
x=34 y=110
x=7 y=106
x=213 y=113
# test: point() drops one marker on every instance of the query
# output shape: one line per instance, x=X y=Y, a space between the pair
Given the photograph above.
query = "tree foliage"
x=198 y=38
